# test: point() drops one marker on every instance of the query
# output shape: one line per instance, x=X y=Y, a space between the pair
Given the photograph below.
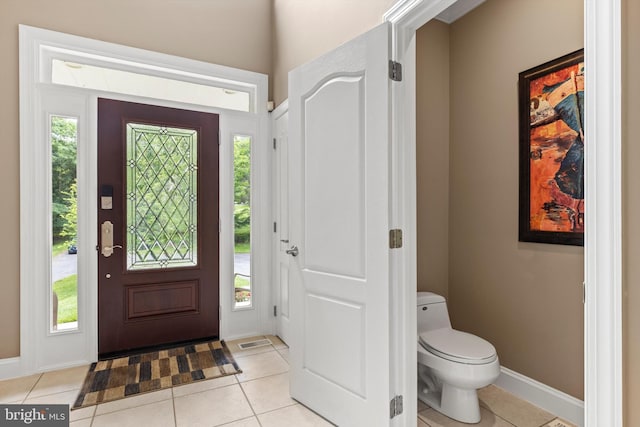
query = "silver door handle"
x=107 y=239
x=293 y=251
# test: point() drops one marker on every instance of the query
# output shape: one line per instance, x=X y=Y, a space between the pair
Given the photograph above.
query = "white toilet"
x=452 y=365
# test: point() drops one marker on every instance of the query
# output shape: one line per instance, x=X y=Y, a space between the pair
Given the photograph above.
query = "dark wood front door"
x=157 y=226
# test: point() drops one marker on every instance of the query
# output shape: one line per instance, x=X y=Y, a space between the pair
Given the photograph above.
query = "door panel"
x=158 y=267
x=339 y=281
x=322 y=338
x=334 y=139
x=156 y=299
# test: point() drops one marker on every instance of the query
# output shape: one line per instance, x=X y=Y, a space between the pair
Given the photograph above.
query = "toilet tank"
x=432 y=312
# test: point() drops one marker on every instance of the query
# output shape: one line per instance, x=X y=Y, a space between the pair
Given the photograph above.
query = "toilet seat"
x=458 y=346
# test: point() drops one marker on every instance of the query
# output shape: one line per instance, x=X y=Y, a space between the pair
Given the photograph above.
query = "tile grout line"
x=506 y=421
x=173 y=404
x=243 y=355
x=255 y=415
x=203 y=391
x=32 y=387
x=244 y=393
x=132 y=407
x=56 y=392
x=488 y=410
x=550 y=421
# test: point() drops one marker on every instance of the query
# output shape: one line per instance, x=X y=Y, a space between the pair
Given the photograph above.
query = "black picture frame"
x=538 y=91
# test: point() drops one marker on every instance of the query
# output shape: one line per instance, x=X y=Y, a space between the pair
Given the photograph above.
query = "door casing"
x=280 y=291
x=37 y=48
x=603 y=185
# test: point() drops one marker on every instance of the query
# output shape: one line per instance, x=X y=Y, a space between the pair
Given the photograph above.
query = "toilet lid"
x=458 y=346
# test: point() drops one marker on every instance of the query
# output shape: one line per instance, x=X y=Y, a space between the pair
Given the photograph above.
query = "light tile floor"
x=498 y=409
x=259 y=397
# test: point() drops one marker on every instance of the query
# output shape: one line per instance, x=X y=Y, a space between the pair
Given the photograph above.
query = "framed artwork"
x=551 y=111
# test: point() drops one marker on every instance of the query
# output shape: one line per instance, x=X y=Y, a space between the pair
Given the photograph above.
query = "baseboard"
x=59 y=366
x=11 y=368
x=558 y=403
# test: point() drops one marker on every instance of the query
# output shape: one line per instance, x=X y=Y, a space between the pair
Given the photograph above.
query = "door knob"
x=293 y=251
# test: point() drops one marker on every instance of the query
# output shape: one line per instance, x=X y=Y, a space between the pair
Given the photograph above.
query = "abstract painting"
x=551 y=102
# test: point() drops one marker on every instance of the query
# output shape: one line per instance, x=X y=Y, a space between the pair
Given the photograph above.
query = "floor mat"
x=115 y=379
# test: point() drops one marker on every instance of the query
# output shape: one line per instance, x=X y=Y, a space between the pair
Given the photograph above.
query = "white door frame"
x=280 y=220
x=37 y=48
x=603 y=235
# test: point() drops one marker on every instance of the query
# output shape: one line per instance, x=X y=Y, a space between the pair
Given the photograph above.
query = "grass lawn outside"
x=243 y=248
x=67 y=291
x=59 y=248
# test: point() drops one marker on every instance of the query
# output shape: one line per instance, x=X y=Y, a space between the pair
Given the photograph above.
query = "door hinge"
x=584 y=293
x=274 y=143
x=395 y=71
x=219 y=138
x=395 y=238
x=275 y=227
x=275 y=311
x=395 y=406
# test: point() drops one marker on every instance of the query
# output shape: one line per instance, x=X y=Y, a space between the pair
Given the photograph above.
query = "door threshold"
x=149 y=349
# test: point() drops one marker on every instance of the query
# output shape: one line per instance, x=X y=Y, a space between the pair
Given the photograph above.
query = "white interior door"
x=339 y=143
x=281 y=171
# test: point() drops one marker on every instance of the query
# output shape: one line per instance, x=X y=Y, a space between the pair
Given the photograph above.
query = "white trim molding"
x=603 y=255
x=39 y=98
x=406 y=17
x=548 y=398
x=458 y=10
x=603 y=222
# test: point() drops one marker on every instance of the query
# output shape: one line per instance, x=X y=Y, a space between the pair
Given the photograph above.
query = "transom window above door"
x=113 y=80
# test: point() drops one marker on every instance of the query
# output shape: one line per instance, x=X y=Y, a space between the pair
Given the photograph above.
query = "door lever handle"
x=293 y=251
x=107 y=239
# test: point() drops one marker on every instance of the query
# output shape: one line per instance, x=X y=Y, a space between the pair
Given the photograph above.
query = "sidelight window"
x=242 y=221
x=63 y=134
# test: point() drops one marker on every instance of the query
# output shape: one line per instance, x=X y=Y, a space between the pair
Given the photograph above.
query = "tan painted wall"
x=432 y=156
x=631 y=210
x=217 y=31
x=305 y=29
x=525 y=298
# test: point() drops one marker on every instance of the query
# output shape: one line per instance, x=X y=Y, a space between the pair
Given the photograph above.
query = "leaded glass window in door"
x=162 y=205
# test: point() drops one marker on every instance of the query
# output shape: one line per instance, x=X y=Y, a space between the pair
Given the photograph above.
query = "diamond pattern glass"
x=162 y=174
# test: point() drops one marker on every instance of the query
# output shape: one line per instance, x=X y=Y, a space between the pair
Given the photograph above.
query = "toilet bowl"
x=452 y=364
